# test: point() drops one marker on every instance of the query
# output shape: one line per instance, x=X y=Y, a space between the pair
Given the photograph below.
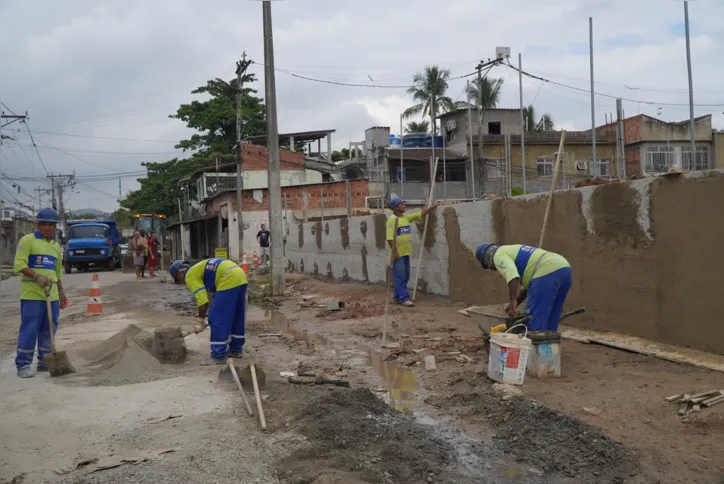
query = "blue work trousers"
x=401 y=274
x=226 y=320
x=546 y=296
x=34 y=328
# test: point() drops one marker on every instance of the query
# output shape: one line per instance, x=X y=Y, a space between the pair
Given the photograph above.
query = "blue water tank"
x=394 y=141
x=414 y=140
x=429 y=141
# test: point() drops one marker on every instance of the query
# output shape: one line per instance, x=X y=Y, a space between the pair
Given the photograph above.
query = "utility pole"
x=691 y=88
x=472 y=154
x=120 y=197
x=522 y=118
x=241 y=67
x=59 y=183
x=593 y=100
x=273 y=165
x=480 y=129
x=40 y=203
x=52 y=192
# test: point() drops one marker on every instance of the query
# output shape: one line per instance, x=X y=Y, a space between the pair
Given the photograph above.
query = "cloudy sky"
x=99 y=78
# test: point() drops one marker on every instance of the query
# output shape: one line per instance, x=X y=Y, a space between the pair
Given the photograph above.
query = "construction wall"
x=646 y=255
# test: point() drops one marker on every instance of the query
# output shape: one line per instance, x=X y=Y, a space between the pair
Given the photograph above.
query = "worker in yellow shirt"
x=401 y=245
x=543 y=277
x=227 y=281
x=38 y=259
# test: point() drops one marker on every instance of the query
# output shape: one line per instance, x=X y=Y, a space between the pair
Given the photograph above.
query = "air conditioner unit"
x=581 y=165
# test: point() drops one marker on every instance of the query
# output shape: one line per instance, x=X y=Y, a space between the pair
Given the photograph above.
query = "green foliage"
x=415 y=127
x=85 y=216
x=123 y=218
x=428 y=89
x=518 y=191
x=215 y=139
x=343 y=154
x=545 y=123
x=490 y=90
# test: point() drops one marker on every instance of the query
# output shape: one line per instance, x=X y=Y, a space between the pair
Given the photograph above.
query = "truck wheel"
x=111 y=264
x=68 y=268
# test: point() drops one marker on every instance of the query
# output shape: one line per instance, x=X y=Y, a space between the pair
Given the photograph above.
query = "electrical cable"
x=35 y=146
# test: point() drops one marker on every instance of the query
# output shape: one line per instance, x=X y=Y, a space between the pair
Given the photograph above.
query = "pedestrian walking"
x=264 y=238
x=227 y=281
x=401 y=245
x=39 y=259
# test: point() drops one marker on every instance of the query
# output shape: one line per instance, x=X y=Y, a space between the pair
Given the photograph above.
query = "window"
x=88 y=232
x=544 y=167
x=495 y=169
x=600 y=167
x=701 y=161
x=658 y=158
x=494 y=128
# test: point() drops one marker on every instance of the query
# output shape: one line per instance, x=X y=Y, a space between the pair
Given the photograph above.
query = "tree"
x=215 y=118
x=215 y=123
x=415 y=127
x=490 y=89
x=428 y=89
x=545 y=123
x=343 y=154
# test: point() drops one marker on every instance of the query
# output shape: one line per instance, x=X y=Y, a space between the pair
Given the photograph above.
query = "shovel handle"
x=257 y=394
x=49 y=310
x=230 y=362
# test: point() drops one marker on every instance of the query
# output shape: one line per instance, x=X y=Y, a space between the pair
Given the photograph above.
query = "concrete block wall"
x=646 y=255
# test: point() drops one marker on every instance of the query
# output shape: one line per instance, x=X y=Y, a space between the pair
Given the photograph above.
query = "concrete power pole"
x=593 y=96
x=691 y=89
x=480 y=130
x=273 y=166
x=241 y=67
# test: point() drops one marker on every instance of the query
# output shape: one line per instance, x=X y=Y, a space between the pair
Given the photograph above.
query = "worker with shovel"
x=38 y=259
x=543 y=277
x=227 y=281
x=401 y=245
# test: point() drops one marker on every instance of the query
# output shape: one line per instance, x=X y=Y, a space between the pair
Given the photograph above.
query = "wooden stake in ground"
x=257 y=394
x=553 y=188
x=424 y=230
x=390 y=281
x=230 y=362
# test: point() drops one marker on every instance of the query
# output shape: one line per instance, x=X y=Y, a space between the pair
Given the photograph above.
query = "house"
x=457 y=125
x=653 y=146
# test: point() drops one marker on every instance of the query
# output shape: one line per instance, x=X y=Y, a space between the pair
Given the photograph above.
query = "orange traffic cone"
x=244 y=263
x=255 y=261
x=95 y=300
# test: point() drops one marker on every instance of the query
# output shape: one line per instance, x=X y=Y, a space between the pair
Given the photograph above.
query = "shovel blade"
x=225 y=374
x=244 y=373
x=58 y=364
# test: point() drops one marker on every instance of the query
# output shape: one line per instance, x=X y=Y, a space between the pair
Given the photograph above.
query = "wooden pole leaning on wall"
x=553 y=188
x=424 y=230
x=390 y=282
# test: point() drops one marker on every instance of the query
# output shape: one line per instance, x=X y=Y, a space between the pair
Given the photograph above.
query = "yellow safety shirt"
x=212 y=275
x=513 y=260
x=45 y=258
x=404 y=231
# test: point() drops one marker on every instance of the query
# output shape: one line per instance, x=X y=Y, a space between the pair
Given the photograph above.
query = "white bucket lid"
x=509 y=339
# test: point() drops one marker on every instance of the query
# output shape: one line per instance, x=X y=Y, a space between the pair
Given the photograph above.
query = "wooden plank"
x=673 y=397
x=683 y=408
x=713 y=401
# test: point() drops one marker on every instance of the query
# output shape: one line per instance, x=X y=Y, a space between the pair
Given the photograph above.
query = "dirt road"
x=124 y=417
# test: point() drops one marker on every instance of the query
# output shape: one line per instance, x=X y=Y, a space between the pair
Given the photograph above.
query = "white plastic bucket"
x=508 y=357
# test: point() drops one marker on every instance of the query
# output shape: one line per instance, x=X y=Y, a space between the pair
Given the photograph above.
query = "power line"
x=55 y=133
x=588 y=91
x=35 y=146
x=115 y=197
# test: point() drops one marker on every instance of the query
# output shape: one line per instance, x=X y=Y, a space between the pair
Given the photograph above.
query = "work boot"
x=42 y=368
x=408 y=303
x=212 y=361
x=25 y=372
x=235 y=355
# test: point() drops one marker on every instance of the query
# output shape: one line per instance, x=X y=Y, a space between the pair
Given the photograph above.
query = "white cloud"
x=114 y=69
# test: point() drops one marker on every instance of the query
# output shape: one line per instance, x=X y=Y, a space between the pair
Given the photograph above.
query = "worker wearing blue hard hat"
x=543 y=277
x=38 y=259
x=400 y=243
x=227 y=281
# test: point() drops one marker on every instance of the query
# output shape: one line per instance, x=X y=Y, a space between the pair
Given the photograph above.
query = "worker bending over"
x=401 y=245
x=543 y=277
x=38 y=259
x=227 y=281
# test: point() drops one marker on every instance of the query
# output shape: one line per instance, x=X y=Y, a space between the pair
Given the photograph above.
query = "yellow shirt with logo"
x=45 y=258
x=228 y=276
x=511 y=260
x=404 y=231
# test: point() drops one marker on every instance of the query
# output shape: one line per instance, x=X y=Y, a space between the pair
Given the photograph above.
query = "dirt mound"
x=121 y=360
x=354 y=431
x=553 y=442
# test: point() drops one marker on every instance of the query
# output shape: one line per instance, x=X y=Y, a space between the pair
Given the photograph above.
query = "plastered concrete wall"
x=646 y=255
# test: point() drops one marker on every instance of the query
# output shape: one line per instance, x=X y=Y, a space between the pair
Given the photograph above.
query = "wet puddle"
x=399 y=382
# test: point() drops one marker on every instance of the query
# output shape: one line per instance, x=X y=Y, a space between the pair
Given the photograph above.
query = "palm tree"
x=415 y=127
x=545 y=123
x=490 y=89
x=428 y=89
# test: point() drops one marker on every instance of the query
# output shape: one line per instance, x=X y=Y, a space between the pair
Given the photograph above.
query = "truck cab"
x=92 y=242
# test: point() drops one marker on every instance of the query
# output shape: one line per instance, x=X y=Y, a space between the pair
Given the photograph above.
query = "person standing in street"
x=264 y=238
x=401 y=245
x=143 y=244
x=152 y=255
x=137 y=254
x=227 y=282
x=39 y=259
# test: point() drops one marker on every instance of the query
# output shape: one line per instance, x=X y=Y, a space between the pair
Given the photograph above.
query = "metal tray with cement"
x=486 y=317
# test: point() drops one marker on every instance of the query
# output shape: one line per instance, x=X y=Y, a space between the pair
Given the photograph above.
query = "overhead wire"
x=35 y=146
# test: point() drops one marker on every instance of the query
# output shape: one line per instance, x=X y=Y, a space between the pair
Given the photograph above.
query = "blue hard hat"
x=395 y=201
x=175 y=267
x=47 y=215
x=480 y=252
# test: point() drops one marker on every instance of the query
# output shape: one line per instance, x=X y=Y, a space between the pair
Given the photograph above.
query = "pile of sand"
x=121 y=360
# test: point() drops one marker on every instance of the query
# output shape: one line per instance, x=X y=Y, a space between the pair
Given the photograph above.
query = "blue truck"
x=94 y=242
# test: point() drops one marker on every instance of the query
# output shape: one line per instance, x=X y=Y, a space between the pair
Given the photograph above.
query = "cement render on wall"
x=646 y=255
